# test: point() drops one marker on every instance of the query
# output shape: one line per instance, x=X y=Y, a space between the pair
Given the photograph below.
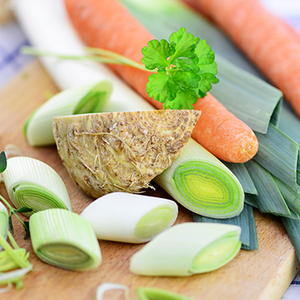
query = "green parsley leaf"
x=3 y=162
x=185 y=70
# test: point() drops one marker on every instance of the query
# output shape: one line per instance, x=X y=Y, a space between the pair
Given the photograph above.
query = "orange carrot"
x=271 y=44
x=107 y=24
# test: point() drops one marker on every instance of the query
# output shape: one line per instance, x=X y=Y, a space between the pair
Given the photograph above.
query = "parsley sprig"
x=185 y=69
x=13 y=211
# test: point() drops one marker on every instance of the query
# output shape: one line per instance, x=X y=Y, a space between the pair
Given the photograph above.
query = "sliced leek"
x=32 y=183
x=186 y=249
x=64 y=239
x=201 y=183
x=130 y=218
x=3 y=222
x=83 y=99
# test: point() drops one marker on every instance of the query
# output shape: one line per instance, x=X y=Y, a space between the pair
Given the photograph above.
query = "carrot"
x=270 y=43
x=107 y=24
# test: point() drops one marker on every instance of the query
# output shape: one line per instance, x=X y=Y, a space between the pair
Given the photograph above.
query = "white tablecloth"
x=11 y=61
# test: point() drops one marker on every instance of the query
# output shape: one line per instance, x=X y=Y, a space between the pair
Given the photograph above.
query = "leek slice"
x=3 y=222
x=248 y=97
x=32 y=183
x=269 y=198
x=64 y=239
x=278 y=154
x=187 y=249
x=202 y=183
x=84 y=99
x=245 y=220
x=130 y=218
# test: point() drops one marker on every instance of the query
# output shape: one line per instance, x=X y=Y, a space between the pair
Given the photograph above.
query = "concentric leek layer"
x=208 y=189
x=64 y=239
x=36 y=197
x=216 y=254
x=154 y=222
x=64 y=255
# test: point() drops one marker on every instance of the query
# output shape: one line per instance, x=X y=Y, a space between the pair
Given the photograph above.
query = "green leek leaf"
x=278 y=154
x=269 y=198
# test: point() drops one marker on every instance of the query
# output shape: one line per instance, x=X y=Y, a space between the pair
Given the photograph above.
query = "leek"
x=269 y=198
x=61 y=38
x=32 y=183
x=142 y=293
x=202 y=184
x=12 y=258
x=278 y=154
x=64 y=239
x=84 y=99
x=130 y=218
x=3 y=222
x=186 y=249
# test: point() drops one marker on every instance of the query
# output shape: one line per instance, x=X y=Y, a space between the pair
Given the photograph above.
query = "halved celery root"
x=121 y=151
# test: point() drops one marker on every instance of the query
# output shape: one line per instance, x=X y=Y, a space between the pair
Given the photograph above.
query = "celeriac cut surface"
x=121 y=151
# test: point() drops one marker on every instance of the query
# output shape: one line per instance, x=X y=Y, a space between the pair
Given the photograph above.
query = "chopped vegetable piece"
x=64 y=239
x=84 y=99
x=201 y=183
x=187 y=249
x=130 y=218
x=111 y=152
x=32 y=183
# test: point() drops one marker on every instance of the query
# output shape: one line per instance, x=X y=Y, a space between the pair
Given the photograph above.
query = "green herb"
x=185 y=69
x=3 y=162
x=14 y=211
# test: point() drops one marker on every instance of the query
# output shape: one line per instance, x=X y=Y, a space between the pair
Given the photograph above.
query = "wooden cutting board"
x=252 y=275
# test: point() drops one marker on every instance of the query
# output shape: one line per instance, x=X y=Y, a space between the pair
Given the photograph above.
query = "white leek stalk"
x=130 y=218
x=186 y=249
x=225 y=194
x=64 y=239
x=3 y=222
x=32 y=183
x=89 y=98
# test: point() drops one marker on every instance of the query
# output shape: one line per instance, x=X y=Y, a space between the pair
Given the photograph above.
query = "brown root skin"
x=124 y=151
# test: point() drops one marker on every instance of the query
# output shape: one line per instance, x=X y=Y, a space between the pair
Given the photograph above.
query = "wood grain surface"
x=262 y=274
